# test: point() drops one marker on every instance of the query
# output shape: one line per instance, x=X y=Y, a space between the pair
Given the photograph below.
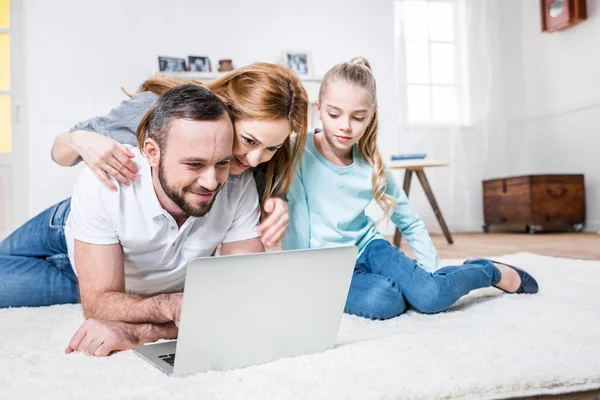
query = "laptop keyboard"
x=168 y=358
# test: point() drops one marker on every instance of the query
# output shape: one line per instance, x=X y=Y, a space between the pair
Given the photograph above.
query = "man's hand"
x=273 y=227
x=99 y=338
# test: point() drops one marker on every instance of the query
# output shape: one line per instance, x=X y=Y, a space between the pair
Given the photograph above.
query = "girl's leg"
x=374 y=296
x=34 y=263
x=425 y=291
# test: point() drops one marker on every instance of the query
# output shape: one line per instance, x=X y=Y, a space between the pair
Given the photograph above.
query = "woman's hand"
x=273 y=228
x=105 y=157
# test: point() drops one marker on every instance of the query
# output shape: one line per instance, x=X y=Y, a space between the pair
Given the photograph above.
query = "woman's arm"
x=104 y=156
x=63 y=152
x=298 y=233
x=275 y=225
x=99 y=140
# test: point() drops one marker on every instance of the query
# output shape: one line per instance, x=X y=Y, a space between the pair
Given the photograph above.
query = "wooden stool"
x=418 y=166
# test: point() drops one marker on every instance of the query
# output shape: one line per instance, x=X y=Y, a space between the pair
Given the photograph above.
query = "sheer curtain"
x=450 y=57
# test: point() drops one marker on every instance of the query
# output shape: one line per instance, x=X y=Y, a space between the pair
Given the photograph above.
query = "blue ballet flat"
x=528 y=283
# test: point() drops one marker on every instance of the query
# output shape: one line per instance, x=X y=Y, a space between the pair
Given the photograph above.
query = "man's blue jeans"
x=386 y=282
x=34 y=264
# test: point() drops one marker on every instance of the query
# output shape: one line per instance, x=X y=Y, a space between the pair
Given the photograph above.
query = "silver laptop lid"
x=249 y=309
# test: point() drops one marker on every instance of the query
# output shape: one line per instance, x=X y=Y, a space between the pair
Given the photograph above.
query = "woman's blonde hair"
x=358 y=73
x=259 y=91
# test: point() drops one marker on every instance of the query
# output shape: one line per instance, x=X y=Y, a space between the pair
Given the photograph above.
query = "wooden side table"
x=418 y=166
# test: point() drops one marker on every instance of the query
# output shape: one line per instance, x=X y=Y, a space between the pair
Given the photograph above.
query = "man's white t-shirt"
x=155 y=250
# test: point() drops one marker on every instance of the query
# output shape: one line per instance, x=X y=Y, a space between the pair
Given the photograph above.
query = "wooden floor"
x=587 y=395
x=568 y=245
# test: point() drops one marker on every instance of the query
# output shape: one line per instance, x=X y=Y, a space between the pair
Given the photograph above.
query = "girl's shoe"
x=528 y=283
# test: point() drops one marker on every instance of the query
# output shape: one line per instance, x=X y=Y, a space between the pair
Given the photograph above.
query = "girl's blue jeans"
x=386 y=282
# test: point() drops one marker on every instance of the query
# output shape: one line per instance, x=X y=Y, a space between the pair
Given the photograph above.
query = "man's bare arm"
x=242 y=247
x=100 y=270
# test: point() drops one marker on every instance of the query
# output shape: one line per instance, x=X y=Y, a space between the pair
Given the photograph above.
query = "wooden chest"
x=536 y=201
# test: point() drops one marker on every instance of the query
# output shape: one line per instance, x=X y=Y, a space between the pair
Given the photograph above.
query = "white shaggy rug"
x=488 y=345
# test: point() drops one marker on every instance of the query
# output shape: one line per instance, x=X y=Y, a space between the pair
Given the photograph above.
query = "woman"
x=267 y=103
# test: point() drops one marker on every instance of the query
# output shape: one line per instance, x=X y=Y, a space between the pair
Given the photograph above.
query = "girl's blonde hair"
x=358 y=73
x=259 y=91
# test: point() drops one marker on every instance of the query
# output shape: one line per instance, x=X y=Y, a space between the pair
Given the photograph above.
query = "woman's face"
x=256 y=142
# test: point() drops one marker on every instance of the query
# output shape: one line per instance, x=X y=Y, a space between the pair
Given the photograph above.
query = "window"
x=432 y=59
x=5 y=103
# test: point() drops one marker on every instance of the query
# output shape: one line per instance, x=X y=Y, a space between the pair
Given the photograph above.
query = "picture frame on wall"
x=299 y=61
x=171 y=64
x=199 y=64
x=557 y=15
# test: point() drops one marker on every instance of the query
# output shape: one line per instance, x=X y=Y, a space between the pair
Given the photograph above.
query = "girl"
x=267 y=102
x=341 y=173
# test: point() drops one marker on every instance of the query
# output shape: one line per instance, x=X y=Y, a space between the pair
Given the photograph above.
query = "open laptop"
x=249 y=309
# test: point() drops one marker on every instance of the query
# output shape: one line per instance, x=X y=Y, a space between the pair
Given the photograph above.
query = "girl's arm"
x=298 y=233
x=411 y=226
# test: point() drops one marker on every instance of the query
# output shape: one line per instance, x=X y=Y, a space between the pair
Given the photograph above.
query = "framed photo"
x=199 y=64
x=561 y=14
x=299 y=61
x=171 y=64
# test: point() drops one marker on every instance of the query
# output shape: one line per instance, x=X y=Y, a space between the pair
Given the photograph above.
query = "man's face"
x=194 y=166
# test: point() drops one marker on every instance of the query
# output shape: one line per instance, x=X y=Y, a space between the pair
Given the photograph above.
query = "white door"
x=13 y=160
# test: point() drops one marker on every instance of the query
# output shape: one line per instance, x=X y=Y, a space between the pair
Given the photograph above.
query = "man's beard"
x=178 y=197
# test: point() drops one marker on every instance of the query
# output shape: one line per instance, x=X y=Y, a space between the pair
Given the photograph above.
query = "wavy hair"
x=358 y=73
x=259 y=91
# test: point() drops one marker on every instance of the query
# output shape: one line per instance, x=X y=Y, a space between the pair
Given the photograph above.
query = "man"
x=130 y=248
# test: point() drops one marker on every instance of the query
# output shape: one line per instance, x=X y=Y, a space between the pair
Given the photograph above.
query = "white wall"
x=538 y=96
x=555 y=127
x=79 y=53
x=478 y=150
x=532 y=120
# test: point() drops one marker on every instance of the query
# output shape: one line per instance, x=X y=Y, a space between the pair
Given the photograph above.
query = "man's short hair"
x=184 y=101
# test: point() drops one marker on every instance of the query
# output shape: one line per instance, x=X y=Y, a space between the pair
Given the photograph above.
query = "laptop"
x=250 y=309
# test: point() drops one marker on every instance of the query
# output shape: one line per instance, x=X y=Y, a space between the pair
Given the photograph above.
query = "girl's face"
x=257 y=141
x=346 y=111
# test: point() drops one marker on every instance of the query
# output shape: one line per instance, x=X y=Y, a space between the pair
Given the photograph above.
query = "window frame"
x=9 y=92
x=461 y=81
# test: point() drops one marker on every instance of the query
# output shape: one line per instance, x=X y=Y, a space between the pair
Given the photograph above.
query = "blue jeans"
x=386 y=282
x=34 y=264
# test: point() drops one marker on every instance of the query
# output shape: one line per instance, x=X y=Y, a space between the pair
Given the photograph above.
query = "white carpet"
x=488 y=345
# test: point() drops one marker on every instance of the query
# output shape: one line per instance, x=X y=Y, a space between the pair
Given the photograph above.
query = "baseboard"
x=388 y=228
x=593 y=226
